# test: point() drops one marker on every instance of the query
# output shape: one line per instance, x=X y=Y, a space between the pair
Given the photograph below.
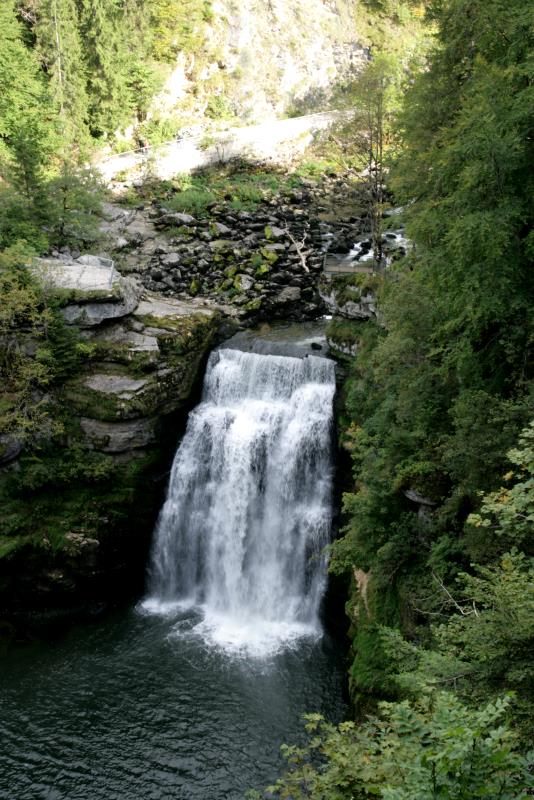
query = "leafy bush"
x=437 y=748
x=219 y=107
x=192 y=201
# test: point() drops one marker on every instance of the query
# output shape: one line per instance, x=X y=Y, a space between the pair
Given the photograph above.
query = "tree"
x=107 y=65
x=508 y=513
x=435 y=748
x=376 y=99
x=60 y=48
x=24 y=367
x=26 y=132
x=441 y=395
x=143 y=79
x=178 y=27
x=71 y=205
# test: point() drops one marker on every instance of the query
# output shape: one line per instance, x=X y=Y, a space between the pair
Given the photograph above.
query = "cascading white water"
x=242 y=533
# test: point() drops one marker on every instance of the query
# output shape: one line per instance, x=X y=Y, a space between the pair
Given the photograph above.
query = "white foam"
x=164 y=608
x=249 y=637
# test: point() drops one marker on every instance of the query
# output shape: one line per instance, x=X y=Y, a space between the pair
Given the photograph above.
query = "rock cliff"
x=79 y=506
x=264 y=58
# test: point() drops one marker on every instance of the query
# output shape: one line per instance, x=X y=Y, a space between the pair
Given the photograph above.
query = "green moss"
x=253 y=305
x=65 y=297
x=138 y=362
x=10 y=544
x=269 y=255
x=192 y=201
x=344 y=331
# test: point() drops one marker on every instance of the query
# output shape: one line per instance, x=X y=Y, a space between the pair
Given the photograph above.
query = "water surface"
x=137 y=707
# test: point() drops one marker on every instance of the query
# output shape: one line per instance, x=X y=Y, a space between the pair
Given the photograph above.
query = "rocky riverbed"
x=257 y=264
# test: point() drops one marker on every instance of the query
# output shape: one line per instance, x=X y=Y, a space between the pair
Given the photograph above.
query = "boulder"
x=170 y=259
x=91 y=314
x=222 y=230
x=140 y=230
x=245 y=282
x=176 y=218
x=121 y=386
x=290 y=294
x=417 y=497
x=88 y=277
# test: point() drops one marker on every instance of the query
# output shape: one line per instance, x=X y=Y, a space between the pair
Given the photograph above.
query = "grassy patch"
x=240 y=186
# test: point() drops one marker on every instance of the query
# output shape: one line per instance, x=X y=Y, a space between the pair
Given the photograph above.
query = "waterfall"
x=242 y=533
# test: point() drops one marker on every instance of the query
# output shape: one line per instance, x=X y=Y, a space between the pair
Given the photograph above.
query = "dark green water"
x=127 y=709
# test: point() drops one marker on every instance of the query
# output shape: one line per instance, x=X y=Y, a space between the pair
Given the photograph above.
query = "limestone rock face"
x=350 y=302
x=280 y=55
x=90 y=314
x=290 y=294
x=119 y=437
x=364 y=309
x=166 y=340
x=113 y=426
x=87 y=277
x=91 y=288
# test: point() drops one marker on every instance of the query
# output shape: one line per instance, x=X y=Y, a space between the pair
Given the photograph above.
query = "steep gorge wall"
x=264 y=58
x=79 y=502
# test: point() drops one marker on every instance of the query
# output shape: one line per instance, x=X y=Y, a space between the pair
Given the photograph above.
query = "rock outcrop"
x=270 y=58
x=78 y=508
x=352 y=297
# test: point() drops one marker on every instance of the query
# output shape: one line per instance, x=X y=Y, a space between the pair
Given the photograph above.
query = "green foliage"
x=40 y=471
x=25 y=132
x=436 y=400
x=488 y=641
x=440 y=399
x=243 y=187
x=178 y=26
x=24 y=320
x=59 y=45
x=37 y=348
x=437 y=748
x=70 y=204
x=192 y=201
x=158 y=130
x=508 y=514
x=107 y=64
x=484 y=648
x=20 y=222
x=219 y=107
x=64 y=210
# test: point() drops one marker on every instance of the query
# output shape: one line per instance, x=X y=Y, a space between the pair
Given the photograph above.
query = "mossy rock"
x=253 y=305
x=269 y=255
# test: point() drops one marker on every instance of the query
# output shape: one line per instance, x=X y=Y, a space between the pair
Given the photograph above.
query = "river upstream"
x=190 y=694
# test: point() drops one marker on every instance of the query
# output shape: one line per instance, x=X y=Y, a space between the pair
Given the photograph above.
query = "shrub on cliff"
x=436 y=748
